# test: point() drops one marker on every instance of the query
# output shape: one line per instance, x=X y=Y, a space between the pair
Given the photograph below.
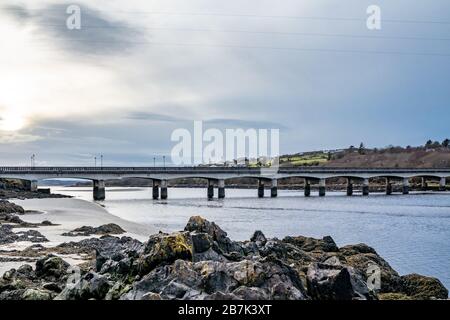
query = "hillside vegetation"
x=431 y=155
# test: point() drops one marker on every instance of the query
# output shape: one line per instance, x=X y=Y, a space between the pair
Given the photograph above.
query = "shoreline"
x=67 y=214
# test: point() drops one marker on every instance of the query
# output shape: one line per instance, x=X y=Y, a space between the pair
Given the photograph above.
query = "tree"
x=446 y=143
x=429 y=143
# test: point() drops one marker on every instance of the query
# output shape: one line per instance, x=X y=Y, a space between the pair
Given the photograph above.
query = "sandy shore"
x=68 y=214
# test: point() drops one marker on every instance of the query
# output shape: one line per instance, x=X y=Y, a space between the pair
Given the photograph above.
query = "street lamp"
x=101 y=161
x=164 y=161
x=95 y=162
x=154 y=162
x=33 y=157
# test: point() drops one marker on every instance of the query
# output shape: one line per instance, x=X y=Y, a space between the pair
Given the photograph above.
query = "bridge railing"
x=250 y=170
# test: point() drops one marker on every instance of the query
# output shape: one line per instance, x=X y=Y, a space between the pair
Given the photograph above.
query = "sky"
x=139 y=69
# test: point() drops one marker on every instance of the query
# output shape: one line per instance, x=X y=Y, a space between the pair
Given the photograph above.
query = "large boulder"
x=163 y=249
x=423 y=288
x=336 y=282
x=223 y=243
x=51 y=268
x=326 y=244
x=363 y=258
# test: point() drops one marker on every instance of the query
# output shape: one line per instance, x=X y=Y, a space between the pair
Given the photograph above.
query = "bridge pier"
x=307 y=188
x=155 y=190
x=365 y=187
x=405 y=187
x=99 y=190
x=322 y=185
x=442 y=184
x=260 y=188
x=210 y=188
x=31 y=185
x=274 y=188
x=221 y=189
x=424 y=186
x=388 y=187
x=349 y=187
x=163 y=189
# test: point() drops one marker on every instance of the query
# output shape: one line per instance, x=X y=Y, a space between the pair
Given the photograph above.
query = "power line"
x=377 y=52
x=308 y=34
x=216 y=14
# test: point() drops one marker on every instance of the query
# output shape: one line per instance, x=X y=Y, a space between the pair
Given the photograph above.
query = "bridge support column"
x=221 y=189
x=32 y=185
x=163 y=189
x=424 y=186
x=388 y=186
x=274 y=188
x=307 y=188
x=99 y=190
x=210 y=189
x=260 y=188
x=349 y=187
x=322 y=184
x=442 y=184
x=365 y=187
x=405 y=185
x=155 y=190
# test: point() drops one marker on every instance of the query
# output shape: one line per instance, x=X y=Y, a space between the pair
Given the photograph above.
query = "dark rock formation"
x=201 y=262
x=105 y=229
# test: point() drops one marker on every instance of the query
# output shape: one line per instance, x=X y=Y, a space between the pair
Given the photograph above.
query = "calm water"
x=411 y=232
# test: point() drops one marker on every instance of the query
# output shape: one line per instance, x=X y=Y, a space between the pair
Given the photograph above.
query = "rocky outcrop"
x=8 y=207
x=7 y=235
x=201 y=262
x=105 y=229
x=423 y=288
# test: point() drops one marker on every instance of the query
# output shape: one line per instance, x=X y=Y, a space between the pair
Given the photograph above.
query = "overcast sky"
x=139 y=69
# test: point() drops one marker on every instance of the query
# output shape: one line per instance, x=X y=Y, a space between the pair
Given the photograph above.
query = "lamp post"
x=164 y=161
x=101 y=161
x=154 y=162
x=95 y=162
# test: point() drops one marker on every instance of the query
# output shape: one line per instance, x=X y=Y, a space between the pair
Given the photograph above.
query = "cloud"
x=99 y=34
x=150 y=116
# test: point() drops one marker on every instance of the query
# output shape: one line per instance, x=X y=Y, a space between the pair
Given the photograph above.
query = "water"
x=411 y=232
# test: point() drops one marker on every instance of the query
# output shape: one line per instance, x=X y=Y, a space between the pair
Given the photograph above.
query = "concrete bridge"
x=216 y=176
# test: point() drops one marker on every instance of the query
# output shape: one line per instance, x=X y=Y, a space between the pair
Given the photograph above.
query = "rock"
x=38 y=294
x=165 y=249
x=326 y=244
x=203 y=263
x=90 y=286
x=201 y=225
x=51 y=268
x=423 y=288
x=251 y=293
x=393 y=296
x=151 y=296
x=8 y=207
x=46 y=223
x=8 y=236
x=201 y=242
x=328 y=282
x=105 y=229
x=174 y=290
x=363 y=258
x=259 y=238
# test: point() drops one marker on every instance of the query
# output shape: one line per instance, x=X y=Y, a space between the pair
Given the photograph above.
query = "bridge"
x=216 y=176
